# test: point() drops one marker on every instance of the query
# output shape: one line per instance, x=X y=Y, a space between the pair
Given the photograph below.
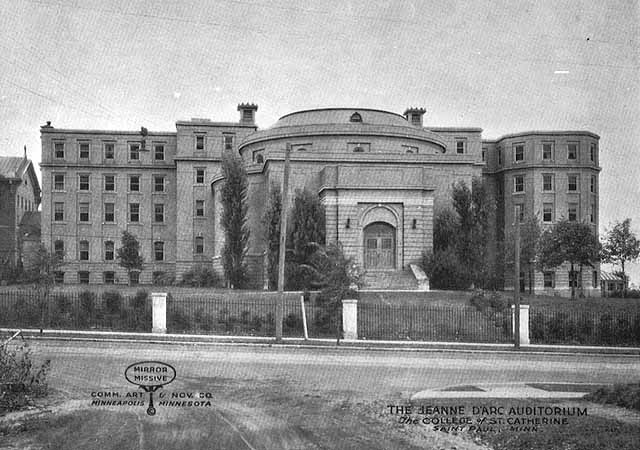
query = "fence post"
x=159 y=303
x=524 y=323
x=350 y=319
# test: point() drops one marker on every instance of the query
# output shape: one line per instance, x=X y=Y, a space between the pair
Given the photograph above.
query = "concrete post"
x=350 y=319
x=159 y=304
x=524 y=323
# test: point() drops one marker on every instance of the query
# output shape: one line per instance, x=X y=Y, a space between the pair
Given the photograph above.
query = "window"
x=484 y=154
x=83 y=182
x=594 y=279
x=518 y=183
x=592 y=213
x=199 y=142
x=519 y=212
x=518 y=152
x=83 y=209
x=199 y=245
x=109 y=183
x=134 y=151
x=547 y=151
x=84 y=150
x=83 y=250
x=109 y=277
x=547 y=182
x=158 y=209
x=247 y=115
x=83 y=277
x=109 y=251
x=109 y=150
x=547 y=212
x=574 y=279
x=58 y=249
x=592 y=153
x=134 y=278
x=572 y=150
x=199 y=208
x=58 y=211
x=355 y=117
x=58 y=182
x=460 y=147
x=258 y=156
x=158 y=251
x=592 y=187
x=58 y=149
x=158 y=152
x=549 y=279
x=58 y=277
x=109 y=212
x=573 y=182
x=573 y=212
x=200 y=176
x=134 y=212
x=134 y=183
x=158 y=183
x=499 y=156
x=228 y=141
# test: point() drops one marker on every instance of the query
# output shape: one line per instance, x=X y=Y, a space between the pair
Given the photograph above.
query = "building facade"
x=19 y=194
x=380 y=175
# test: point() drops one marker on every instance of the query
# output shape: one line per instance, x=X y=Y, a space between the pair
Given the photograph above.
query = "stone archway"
x=379 y=246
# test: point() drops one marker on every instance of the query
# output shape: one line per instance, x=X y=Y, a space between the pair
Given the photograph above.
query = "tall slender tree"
x=271 y=222
x=530 y=232
x=620 y=245
x=234 y=221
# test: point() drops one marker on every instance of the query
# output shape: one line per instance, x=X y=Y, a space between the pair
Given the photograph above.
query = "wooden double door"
x=379 y=246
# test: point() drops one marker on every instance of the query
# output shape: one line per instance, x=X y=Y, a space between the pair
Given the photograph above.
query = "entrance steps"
x=392 y=280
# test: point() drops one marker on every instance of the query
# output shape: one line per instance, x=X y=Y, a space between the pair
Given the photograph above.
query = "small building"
x=611 y=283
x=19 y=194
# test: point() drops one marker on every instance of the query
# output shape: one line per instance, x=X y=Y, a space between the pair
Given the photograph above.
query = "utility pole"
x=516 y=287
x=283 y=243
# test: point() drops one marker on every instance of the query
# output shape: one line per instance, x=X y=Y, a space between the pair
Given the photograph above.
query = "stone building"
x=19 y=194
x=380 y=175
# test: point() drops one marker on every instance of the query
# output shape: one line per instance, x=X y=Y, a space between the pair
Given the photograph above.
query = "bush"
x=631 y=293
x=445 y=271
x=112 y=302
x=20 y=380
x=163 y=279
x=625 y=395
x=493 y=300
x=200 y=276
x=87 y=307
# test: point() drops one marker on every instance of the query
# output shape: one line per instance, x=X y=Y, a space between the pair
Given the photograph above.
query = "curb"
x=319 y=343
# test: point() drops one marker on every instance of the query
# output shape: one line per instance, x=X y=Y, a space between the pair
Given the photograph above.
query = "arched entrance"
x=379 y=246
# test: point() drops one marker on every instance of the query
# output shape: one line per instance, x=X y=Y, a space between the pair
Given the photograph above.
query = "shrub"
x=112 y=302
x=493 y=300
x=163 y=279
x=20 y=380
x=630 y=293
x=200 y=276
x=87 y=307
x=445 y=271
x=625 y=395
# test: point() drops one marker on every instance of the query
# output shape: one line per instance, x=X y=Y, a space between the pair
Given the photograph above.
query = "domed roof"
x=341 y=116
x=343 y=122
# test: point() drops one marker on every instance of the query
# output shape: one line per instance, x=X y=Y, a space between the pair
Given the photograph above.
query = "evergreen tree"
x=234 y=221
x=271 y=222
x=128 y=255
x=305 y=234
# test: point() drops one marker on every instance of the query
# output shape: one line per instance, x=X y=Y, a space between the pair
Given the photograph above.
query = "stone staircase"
x=393 y=280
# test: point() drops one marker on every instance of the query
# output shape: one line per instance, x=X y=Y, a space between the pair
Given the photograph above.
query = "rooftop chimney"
x=247 y=113
x=414 y=115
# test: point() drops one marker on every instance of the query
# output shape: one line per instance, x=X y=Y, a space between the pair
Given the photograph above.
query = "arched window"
x=355 y=117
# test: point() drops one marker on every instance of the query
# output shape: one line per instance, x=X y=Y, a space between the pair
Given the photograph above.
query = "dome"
x=341 y=116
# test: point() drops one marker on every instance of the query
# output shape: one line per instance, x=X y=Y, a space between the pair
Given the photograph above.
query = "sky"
x=504 y=66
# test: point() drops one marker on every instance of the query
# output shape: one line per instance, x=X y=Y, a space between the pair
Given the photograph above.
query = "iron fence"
x=613 y=327
x=433 y=323
x=78 y=310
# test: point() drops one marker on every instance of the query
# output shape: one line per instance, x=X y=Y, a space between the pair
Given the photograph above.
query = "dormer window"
x=355 y=117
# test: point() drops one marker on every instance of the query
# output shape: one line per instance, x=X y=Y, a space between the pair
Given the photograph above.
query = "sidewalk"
x=198 y=339
x=510 y=390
